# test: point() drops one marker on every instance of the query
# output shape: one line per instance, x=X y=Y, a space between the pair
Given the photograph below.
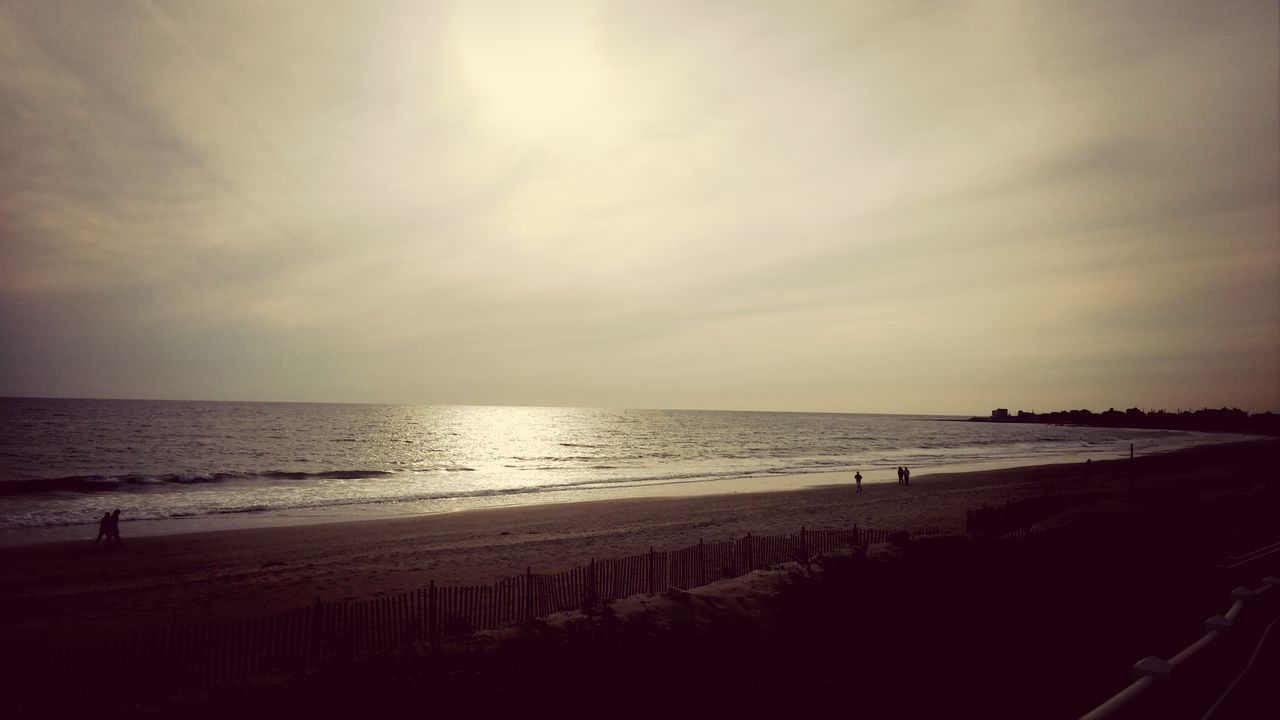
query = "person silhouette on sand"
x=113 y=528
x=857 y=480
x=900 y=473
x=906 y=480
x=104 y=529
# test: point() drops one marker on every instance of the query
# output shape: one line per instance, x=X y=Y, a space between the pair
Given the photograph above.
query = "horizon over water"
x=180 y=466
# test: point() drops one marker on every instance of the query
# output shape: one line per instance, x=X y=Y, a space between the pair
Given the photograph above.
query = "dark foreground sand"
x=949 y=626
x=63 y=592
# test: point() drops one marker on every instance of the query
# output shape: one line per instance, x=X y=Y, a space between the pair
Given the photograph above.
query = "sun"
x=529 y=66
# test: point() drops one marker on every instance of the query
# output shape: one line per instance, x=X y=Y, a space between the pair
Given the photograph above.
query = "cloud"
x=722 y=203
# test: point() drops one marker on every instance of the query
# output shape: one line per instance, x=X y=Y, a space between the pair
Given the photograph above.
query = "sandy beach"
x=65 y=591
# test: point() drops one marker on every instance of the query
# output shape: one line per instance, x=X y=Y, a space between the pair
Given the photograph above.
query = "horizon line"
x=588 y=407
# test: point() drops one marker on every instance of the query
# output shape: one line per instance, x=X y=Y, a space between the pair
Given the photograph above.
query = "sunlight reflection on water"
x=63 y=461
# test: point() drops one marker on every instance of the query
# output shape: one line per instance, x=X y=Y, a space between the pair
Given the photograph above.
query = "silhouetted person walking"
x=113 y=528
x=857 y=480
x=104 y=529
x=906 y=477
x=900 y=474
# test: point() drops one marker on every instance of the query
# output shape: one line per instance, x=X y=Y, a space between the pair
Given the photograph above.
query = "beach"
x=63 y=592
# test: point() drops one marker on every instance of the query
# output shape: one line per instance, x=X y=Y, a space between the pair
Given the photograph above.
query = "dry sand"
x=61 y=592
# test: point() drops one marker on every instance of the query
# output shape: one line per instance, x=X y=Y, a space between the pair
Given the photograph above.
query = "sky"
x=878 y=206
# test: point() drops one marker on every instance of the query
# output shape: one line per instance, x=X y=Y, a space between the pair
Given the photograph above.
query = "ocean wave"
x=140 y=481
x=100 y=483
x=327 y=474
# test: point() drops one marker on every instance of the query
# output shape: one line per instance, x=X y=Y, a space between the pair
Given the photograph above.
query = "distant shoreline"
x=1225 y=420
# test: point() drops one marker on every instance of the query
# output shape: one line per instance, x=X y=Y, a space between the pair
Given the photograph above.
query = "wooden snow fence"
x=193 y=654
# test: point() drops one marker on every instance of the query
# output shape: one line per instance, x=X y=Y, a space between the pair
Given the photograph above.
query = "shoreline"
x=67 y=591
x=715 y=487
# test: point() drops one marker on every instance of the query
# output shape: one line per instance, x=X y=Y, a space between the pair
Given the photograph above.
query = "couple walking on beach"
x=109 y=526
x=904 y=478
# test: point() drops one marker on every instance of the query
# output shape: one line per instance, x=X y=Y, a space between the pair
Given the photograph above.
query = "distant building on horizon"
x=1000 y=414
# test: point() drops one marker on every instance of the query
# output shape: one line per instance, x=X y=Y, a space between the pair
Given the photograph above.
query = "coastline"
x=679 y=488
x=67 y=591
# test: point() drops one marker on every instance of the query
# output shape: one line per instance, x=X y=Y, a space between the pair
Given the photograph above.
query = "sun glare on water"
x=529 y=65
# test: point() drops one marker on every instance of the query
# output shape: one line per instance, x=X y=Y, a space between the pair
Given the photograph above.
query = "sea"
x=175 y=466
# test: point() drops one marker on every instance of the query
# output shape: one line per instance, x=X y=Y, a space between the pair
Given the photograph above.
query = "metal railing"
x=1152 y=673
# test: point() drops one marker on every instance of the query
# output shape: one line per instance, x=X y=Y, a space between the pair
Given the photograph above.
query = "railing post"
x=751 y=560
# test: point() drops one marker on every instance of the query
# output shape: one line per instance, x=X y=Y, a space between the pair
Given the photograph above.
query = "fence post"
x=751 y=560
x=591 y=584
x=421 y=611
x=528 y=592
x=431 y=612
x=702 y=565
x=651 y=570
x=317 y=632
x=804 y=550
